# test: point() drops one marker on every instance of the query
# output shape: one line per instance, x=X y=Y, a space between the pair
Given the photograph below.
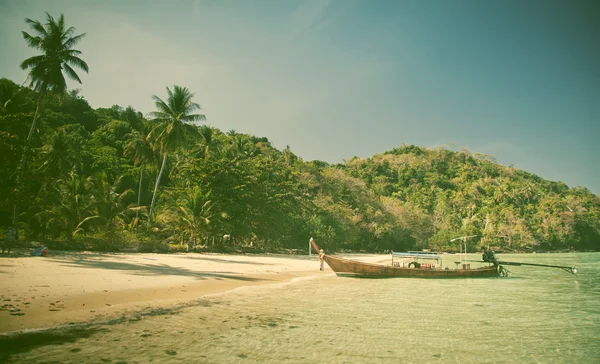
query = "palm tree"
x=196 y=214
x=75 y=205
x=57 y=156
x=208 y=143
x=55 y=41
x=241 y=147
x=172 y=117
x=109 y=198
x=140 y=149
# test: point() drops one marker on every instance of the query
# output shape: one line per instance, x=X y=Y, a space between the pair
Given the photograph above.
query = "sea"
x=537 y=315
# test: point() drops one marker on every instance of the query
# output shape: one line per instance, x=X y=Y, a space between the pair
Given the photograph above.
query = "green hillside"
x=448 y=194
x=91 y=174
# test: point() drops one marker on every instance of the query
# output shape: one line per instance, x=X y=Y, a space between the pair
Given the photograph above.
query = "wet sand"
x=43 y=292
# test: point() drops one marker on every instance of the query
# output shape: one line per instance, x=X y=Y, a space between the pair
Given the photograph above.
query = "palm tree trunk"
x=15 y=216
x=137 y=212
x=162 y=168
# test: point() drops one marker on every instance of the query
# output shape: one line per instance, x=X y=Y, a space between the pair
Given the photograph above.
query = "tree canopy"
x=92 y=176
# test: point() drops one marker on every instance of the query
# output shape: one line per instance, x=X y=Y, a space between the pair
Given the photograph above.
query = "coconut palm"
x=75 y=205
x=195 y=217
x=140 y=149
x=172 y=117
x=57 y=156
x=55 y=41
x=208 y=142
x=109 y=199
x=195 y=214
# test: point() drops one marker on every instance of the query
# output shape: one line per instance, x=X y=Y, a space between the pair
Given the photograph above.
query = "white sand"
x=40 y=292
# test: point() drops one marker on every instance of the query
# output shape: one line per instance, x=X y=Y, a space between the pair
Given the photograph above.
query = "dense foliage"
x=91 y=175
x=112 y=179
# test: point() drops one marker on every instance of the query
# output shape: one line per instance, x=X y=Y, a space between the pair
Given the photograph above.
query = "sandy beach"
x=63 y=288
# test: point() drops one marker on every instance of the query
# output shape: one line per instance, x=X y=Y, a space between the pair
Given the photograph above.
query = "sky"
x=334 y=79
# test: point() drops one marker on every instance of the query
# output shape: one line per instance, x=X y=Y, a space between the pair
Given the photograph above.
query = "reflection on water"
x=539 y=315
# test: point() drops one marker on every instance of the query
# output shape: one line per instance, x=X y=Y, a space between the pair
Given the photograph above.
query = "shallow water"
x=539 y=315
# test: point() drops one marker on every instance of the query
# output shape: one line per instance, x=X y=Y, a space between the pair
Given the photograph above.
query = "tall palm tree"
x=55 y=41
x=140 y=149
x=172 y=117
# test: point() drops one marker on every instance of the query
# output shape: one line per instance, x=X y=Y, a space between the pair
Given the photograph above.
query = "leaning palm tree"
x=55 y=41
x=172 y=117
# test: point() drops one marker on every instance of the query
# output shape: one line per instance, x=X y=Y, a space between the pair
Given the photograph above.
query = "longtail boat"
x=348 y=267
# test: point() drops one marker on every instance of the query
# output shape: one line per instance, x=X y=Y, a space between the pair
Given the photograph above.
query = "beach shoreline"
x=39 y=293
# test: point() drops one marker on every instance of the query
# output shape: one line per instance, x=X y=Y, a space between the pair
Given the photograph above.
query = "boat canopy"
x=418 y=255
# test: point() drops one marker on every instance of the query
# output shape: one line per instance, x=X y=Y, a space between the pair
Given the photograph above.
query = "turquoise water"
x=539 y=315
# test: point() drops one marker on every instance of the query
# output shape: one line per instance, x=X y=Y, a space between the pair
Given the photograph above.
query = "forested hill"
x=439 y=194
x=90 y=179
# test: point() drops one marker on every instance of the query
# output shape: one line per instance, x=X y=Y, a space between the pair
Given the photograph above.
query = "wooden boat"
x=347 y=267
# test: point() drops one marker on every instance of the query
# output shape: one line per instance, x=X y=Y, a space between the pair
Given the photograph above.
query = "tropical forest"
x=121 y=179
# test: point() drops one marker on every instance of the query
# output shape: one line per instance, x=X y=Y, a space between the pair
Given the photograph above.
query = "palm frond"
x=76 y=61
x=33 y=42
x=162 y=106
x=170 y=93
x=32 y=61
x=66 y=34
x=71 y=73
x=89 y=218
x=158 y=116
x=61 y=22
x=37 y=26
x=73 y=40
x=125 y=193
x=193 y=117
x=71 y=52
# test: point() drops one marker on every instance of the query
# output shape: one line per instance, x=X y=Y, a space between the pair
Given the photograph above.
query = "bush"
x=149 y=245
x=109 y=241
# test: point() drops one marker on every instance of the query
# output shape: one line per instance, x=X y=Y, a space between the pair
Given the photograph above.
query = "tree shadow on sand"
x=27 y=341
x=230 y=261
x=152 y=269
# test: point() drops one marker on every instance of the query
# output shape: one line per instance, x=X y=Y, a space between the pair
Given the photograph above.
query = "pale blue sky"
x=341 y=78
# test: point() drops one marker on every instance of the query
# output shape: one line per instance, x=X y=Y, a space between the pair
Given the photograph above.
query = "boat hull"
x=346 y=267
